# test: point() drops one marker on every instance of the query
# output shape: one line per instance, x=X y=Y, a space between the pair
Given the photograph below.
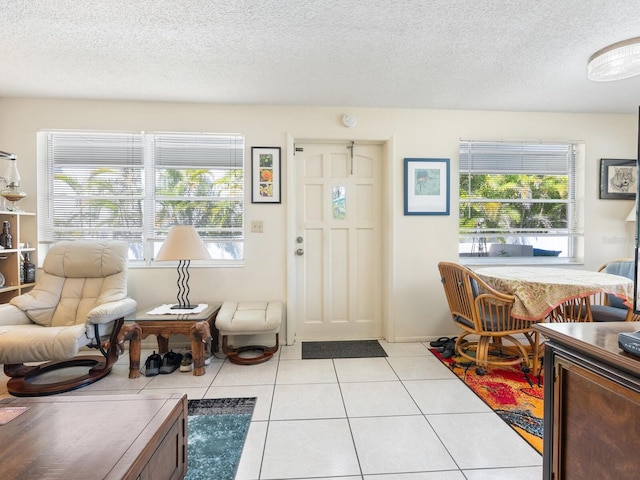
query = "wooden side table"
x=196 y=326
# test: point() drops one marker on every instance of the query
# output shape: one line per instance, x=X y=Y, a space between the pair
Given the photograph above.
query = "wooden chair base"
x=514 y=354
x=23 y=379
x=233 y=353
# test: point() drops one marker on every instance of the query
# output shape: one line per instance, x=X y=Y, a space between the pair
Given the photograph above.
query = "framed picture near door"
x=265 y=175
x=426 y=186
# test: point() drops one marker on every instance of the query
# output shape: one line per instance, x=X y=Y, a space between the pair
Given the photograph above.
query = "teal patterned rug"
x=217 y=430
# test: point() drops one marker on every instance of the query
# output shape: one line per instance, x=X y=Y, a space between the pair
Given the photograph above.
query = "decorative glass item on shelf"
x=10 y=187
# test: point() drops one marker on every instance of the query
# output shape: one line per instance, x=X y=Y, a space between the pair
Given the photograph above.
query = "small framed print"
x=426 y=186
x=618 y=179
x=265 y=175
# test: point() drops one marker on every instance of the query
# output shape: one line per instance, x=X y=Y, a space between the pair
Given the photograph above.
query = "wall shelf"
x=23 y=231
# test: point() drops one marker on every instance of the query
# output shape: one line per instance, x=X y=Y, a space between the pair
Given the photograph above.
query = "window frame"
x=220 y=158
x=535 y=158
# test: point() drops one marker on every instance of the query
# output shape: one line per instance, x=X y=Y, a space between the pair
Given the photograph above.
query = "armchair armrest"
x=107 y=312
x=12 y=315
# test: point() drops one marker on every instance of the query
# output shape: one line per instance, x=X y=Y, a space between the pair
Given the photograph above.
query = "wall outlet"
x=256 y=226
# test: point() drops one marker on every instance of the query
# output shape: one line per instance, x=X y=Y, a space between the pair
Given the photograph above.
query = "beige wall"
x=415 y=307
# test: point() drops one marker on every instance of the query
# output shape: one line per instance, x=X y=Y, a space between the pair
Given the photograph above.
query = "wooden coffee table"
x=196 y=326
x=96 y=437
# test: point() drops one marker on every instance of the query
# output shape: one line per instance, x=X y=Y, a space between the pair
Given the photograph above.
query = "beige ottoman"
x=249 y=318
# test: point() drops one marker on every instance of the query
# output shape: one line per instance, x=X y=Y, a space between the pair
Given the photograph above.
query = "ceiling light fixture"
x=615 y=62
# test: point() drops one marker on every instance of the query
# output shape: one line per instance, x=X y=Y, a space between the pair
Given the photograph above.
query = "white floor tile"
x=118 y=379
x=85 y=391
x=309 y=448
x=398 y=444
x=251 y=459
x=444 y=475
x=306 y=371
x=309 y=401
x=445 y=396
x=364 y=370
x=291 y=352
x=518 y=473
x=412 y=349
x=424 y=368
x=367 y=399
x=192 y=393
x=501 y=446
x=259 y=374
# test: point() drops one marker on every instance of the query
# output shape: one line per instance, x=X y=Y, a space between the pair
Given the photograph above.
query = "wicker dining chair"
x=481 y=311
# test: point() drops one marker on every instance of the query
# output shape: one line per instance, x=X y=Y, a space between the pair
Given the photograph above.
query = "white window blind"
x=134 y=186
x=517 y=193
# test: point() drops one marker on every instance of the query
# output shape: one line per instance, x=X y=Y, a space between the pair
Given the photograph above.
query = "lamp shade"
x=615 y=62
x=182 y=243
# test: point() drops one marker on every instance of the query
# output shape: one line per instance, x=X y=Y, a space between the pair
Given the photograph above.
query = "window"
x=135 y=186
x=518 y=199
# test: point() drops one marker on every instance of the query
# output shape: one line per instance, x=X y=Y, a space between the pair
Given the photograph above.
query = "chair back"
x=76 y=277
x=476 y=306
x=460 y=293
x=624 y=267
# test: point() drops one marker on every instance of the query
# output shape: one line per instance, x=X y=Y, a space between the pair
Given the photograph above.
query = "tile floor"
x=404 y=417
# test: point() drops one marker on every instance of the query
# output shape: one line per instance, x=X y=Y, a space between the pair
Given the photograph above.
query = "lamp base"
x=183 y=307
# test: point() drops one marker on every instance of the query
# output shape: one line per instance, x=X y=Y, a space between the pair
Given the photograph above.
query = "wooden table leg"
x=200 y=335
x=133 y=333
x=163 y=343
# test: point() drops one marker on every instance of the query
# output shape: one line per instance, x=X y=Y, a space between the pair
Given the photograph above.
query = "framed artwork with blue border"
x=426 y=186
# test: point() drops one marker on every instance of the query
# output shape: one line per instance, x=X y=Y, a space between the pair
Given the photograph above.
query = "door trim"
x=388 y=192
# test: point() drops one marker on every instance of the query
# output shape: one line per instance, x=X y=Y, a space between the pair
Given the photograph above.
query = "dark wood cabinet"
x=115 y=437
x=591 y=402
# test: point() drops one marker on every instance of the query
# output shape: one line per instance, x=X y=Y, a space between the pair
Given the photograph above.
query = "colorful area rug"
x=217 y=429
x=342 y=349
x=517 y=398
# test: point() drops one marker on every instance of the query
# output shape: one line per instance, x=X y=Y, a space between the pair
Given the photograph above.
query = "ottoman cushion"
x=249 y=318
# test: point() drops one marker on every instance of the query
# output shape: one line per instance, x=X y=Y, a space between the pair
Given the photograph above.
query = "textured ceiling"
x=452 y=54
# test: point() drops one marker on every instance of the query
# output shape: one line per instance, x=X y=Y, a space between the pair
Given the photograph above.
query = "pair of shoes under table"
x=167 y=363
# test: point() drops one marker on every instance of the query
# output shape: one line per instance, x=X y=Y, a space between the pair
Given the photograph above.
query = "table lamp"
x=183 y=244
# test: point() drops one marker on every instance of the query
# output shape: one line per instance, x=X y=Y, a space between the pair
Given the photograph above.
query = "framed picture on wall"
x=618 y=179
x=265 y=175
x=426 y=186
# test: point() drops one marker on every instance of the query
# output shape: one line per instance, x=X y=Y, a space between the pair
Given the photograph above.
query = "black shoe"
x=170 y=362
x=439 y=342
x=152 y=365
x=449 y=349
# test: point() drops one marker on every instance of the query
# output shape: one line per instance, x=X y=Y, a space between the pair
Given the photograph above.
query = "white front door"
x=338 y=241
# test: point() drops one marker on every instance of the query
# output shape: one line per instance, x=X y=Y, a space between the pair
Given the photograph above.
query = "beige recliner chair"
x=79 y=300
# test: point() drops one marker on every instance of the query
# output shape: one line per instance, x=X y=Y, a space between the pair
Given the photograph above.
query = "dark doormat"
x=342 y=349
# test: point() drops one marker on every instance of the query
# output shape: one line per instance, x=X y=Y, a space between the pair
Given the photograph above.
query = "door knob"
x=299 y=252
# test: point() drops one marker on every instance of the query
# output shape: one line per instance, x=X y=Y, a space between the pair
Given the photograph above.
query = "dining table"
x=540 y=290
x=541 y=293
